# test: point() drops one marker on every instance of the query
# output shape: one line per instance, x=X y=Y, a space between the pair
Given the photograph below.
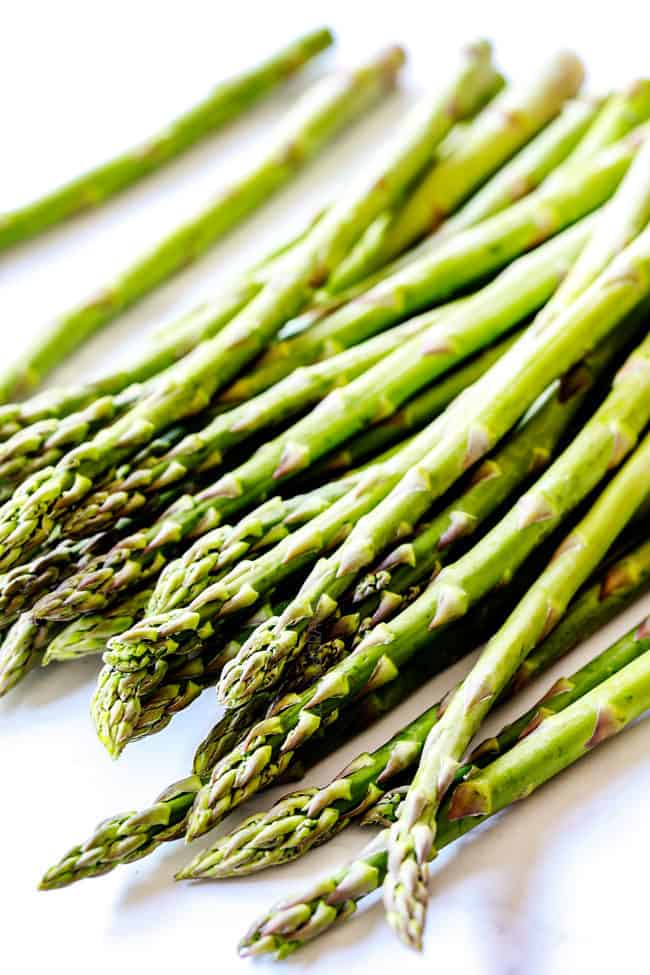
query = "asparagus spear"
x=603 y=442
x=620 y=114
x=412 y=838
x=518 y=290
x=568 y=736
x=225 y=102
x=310 y=817
x=133 y=835
x=189 y=385
x=499 y=131
x=510 y=380
x=381 y=388
x=129 y=488
x=168 y=345
x=323 y=112
x=89 y=634
x=436 y=273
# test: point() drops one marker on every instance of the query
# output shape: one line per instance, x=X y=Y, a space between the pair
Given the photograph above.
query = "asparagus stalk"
x=603 y=442
x=478 y=426
x=229 y=99
x=520 y=289
x=311 y=817
x=500 y=130
x=619 y=115
x=133 y=835
x=129 y=488
x=191 y=384
x=22 y=650
x=412 y=838
x=568 y=736
x=436 y=273
x=89 y=634
x=380 y=389
x=321 y=115
x=169 y=344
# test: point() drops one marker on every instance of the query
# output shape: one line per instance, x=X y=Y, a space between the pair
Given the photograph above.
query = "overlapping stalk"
x=519 y=290
x=569 y=735
x=603 y=441
x=412 y=838
x=509 y=121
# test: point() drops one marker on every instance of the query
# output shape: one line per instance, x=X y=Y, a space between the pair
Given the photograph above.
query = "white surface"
x=555 y=885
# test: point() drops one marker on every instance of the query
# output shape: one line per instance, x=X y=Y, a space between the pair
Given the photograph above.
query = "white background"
x=557 y=884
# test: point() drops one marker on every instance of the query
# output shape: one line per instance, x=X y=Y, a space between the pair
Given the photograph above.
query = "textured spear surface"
x=498 y=132
x=477 y=423
x=601 y=444
x=567 y=737
x=412 y=839
x=317 y=118
x=229 y=99
x=89 y=634
x=310 y=817
x=620 y=114
x=129 y=489
x=517 y=291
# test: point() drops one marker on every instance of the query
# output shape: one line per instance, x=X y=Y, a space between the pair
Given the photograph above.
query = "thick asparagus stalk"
x=520 y=289
x=133 y=835
x=500 y=130
x=568 y=736
x=225 y=102
x=323 y=112
x=510 y=381
x=412 y=838
x=603 y=442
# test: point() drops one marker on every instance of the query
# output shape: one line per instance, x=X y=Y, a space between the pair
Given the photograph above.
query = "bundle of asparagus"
x=349 y=470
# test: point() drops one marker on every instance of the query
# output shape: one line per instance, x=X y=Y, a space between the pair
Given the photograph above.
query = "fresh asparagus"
x=168 y=345
x=310 y=817
x=500 y=130
x=568 y=736
x=89 y=634
x=322 y=113
x=412 y=838
x=131 y=836
x=224 y=103
x=22 y=649
x=619 y=115
x=129 y=488
x=510 y=380
x=603 y=442
x=436 y=273
x=517 y=291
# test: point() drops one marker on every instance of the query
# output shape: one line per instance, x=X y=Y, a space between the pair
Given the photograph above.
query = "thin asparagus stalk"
x=22 y=650
x=436 y=273
x=603 y=442
x=480 y=421
x=500 y=130
x=224 y=103
x=311 y=817
x=133 y=835
x=322 y=113
x=519 y=290
x=412 y=838
x=126 y=491
x=169 y=344
x=567 y=736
